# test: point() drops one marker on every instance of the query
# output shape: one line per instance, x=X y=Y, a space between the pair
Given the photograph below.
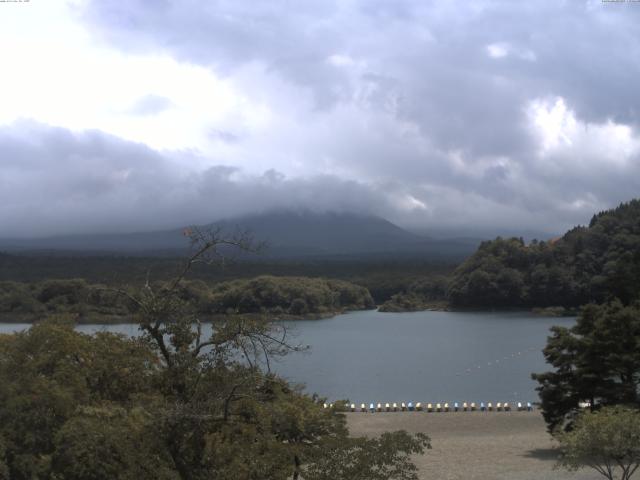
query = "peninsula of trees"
x=281 y=297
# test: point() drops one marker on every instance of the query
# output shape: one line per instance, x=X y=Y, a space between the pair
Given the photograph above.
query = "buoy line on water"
x=434 y=407
x=496 y=362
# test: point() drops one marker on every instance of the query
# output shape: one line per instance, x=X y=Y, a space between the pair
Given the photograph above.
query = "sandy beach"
x=474 y=445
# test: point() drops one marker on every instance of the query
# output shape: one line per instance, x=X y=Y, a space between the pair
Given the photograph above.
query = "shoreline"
x=558 y=312
x=107 y=319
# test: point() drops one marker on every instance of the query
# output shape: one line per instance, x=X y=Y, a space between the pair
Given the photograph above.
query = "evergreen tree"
x=596 y=361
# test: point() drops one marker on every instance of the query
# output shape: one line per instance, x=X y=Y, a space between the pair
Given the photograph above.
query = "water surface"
x=423 y=356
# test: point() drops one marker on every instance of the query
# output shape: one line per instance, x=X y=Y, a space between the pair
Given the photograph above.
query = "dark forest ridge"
x=594 y=263
x=287 y=233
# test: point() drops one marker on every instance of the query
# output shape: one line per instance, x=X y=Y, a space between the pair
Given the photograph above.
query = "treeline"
x=421 y=294
x=297 y=296
x=383 y=274
x=383 y=277
x=31 y=301
x=401 y=279
x=587 y=265
x=291 y=295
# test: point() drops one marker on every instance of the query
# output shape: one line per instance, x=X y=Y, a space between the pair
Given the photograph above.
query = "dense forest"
x=383 y=276
x=292 y=295
x=275 y=296
x=588 y=264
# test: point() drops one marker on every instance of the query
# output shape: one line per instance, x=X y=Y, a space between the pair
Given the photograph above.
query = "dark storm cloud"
x=585 y=51
x=520 y=114
x=54 y=181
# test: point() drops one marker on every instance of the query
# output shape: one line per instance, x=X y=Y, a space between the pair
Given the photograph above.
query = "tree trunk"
x=296 y=472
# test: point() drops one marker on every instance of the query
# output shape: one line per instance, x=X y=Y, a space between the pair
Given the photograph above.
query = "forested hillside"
x=588 y=264
x=298 y=296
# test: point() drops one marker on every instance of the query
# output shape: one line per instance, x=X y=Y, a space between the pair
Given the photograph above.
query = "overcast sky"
x=131 y=115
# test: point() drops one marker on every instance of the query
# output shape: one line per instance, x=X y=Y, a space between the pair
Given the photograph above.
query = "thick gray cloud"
x=432 y=53
x=53 y=181
x=435 y=114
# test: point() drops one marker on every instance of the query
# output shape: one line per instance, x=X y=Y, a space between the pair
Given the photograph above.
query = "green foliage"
x=106 y=442
x=262 y=295
x=593 y=264
x=76 y=406
x=4 y=468
x=381 y=275
x=173 y=404
x=384 y=458
x=421 y=294
x=607 y=441
x=597 y=360
x=292 y=295
x=47 y=373
x=28 y=301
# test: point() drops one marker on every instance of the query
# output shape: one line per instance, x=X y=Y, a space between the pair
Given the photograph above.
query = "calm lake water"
x=423 y=356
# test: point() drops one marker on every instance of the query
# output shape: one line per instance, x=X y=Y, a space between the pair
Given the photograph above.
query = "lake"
x=371 y=356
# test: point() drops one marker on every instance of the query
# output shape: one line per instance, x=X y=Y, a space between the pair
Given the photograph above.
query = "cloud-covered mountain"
x=286 y=234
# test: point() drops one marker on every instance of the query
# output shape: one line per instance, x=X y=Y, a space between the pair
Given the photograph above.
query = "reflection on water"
x=422 y=356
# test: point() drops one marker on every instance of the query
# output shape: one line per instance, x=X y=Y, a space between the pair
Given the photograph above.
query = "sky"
x=437 y=115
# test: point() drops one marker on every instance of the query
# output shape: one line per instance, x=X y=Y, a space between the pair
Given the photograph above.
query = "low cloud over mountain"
x=435 y=115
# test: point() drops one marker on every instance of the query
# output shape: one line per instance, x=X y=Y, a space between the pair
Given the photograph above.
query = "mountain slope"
x=287 y=233
x=325 y=233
